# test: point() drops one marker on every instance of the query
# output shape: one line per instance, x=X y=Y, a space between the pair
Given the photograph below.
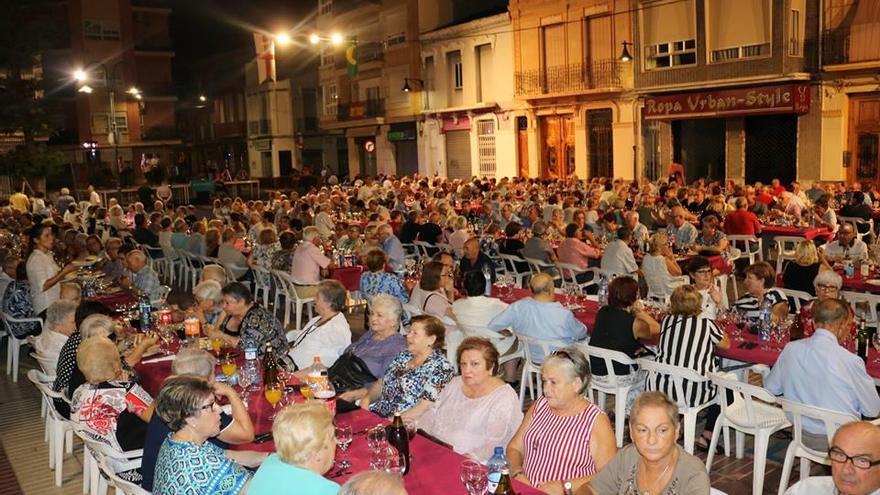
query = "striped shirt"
x=558 y=447
x=748 y=304
x=687 y=342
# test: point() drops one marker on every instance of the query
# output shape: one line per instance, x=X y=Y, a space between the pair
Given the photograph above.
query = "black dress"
x=613 y=331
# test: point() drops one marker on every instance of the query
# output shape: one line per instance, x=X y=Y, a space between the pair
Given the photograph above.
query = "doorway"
x=600 y=135
x=557 y=146
x=771 y=148
x=285 y=163
x=699 y=146
x=522 y=145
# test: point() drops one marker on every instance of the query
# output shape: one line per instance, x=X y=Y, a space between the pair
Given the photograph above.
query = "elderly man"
x=142 y=277
x=855 y=464
x=618 y=258
x=537 y=246
x=742 y=221
x=391 y=245
x=540 y=316
x=324 y=222
x=473 y=314
x=682 y=232
x=847 y=245
x=640 y=233
x=823 y=215
x=476 y=260
x=818 y=371
x=64 y=200
x=308 y=261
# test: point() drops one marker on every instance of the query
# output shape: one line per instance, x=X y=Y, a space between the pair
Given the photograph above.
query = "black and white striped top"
x=687 y=342
x=749 y=306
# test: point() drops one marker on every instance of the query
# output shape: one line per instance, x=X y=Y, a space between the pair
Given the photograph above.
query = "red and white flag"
x=265 y=57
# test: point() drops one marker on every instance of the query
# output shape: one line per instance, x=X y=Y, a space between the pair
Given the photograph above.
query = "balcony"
x=159 y=133
x=571 y=78
x=366 y=52
x=230 y=129
x=356 y=110
x=845 y=47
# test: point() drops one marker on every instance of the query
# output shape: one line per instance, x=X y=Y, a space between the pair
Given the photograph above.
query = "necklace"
x=657 y=479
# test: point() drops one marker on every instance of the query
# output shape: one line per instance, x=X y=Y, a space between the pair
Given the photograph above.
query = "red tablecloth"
x=587 y=314
x=349 y=277
x=805 y=232
x=859 y=283
x=115 y=299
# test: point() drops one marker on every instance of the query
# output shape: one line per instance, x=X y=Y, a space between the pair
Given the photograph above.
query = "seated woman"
x=512 y=244
x=179 y=238
x=435 y=292
x=208 y=299
x=326 y=335
x=703 y=275
x=187 y=461
x=459 y=235
x=710 y=239
x=476 y=411
x=827 y=285
x=689 y=340
x=378 y=347
x=377 y=281
x=619 y=326
x=574 y=251
x=111 y=409
x=653 y=462
x=305 y=441
x=800 y=273
x=416 y=376
x=261 y=256
x=351 y=241
x=18 y=303
x=564 y=436
x=659 y=267
x=759 y=282
x=248 y=323
x=60 y=325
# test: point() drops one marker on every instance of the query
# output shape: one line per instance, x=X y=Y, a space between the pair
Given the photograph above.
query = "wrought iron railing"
x=838 y=48
x=568 y=78
x=360 y=109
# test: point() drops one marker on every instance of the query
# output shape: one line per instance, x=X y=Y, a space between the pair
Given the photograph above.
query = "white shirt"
x=48 y=345
x=328 y=341
x=95 y=198
x=817 y=485
x=657 y=275
x=710 y=309
x=858 y=251
x=40 y=268
x=474 y=314
x=325 y=224
x=618 y=259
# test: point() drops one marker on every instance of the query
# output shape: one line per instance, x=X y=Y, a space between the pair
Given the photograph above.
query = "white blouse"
x=41 y=267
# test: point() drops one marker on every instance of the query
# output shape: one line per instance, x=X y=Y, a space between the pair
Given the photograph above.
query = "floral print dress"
x=404 y=387
x=100 y=409
x=263 y=255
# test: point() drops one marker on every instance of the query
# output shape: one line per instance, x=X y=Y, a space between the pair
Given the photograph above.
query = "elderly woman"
x=114 y=266
x=826 y=285
x=659 y=266
x=377 y=281
x=415 y=377
x=435 y=292
x=117 y=220
x=710 y=238
x=623 y=312
x=378 y=347
x=109 y=408
x=374 y=483
x=247 y=323
x=351 y=241
x=564 y=436
x=800 y=273
x=653 y=463
x=17 y=303
x=703 y=275
x=208 y=301
x=179 y=238
x=305 y=441
x=459 y=235
x=60 y=325
x=261 y=257
x=42 y=272
x=574 y=251
x=187 y=461
x=476 y=411
x=689 y=340
x=326 y=335
x=214 y=272
x=759 y=282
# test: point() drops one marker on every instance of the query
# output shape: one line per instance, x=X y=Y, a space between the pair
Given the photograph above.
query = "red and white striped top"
x=558 y=447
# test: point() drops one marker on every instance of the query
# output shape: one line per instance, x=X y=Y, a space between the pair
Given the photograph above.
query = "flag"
x=265 y=58
x=351 y=61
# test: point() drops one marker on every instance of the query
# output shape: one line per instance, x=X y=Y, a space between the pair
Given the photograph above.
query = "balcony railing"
x=159 y=132
x=360 y=110
x=366 y=52
x=568 y=78
x=841 y=47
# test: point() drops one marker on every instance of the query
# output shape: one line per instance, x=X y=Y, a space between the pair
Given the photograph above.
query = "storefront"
x=748 y=134
x=406 y=152
x=457 y=133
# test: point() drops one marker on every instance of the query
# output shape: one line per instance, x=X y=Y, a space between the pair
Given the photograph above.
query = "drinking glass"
x=376 y=438
x=245 y=380
x=273 y=393
x=396 y=461
x=474 y=476
x=343 y=440
x=229 y=367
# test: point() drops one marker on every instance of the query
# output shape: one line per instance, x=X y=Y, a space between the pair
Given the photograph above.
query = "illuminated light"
x=336 y=39
x=134 y=91
x=85 y=88
x=314 y=39
x=80 y=75
x=203 y=98
x=282 y=38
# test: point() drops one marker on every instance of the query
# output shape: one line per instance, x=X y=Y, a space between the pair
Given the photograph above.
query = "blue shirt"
x=819 y=372
x=540 y=320
x=148 y=282
x=276 y=476
x=394 y=250
x=184 y=467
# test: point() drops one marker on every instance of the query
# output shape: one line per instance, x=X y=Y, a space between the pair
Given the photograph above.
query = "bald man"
x=474 y=260
x=855 y=464
x=540 y=317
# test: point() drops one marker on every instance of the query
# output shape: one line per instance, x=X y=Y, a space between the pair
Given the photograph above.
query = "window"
x=92 y=30
x=459 y=79
x=486 y=147
x=330 y=100
x=672 y=54
x=328 y=57
x=794 y=34
x=325 y=7
x=372 y=93
x=100 y=30
x=728 y=40
x=741 y=52
x=395 y=39
x=100 y=123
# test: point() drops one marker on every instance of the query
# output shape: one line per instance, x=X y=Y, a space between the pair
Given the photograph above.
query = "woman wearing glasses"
x=701 y=272
x=827 y=285
x=564 y=436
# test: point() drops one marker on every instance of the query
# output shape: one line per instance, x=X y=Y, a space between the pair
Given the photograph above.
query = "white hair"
x=58 y=311
x=373 y=482
x=310 y=233
x=218 y=273
x=192 y=361
x=209 y=290
x=96 y=324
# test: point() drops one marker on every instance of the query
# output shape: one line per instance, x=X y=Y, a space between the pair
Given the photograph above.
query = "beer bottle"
x=271 y=367
x=566 y=488
x=862 y=341
x=505 y=486
x=399 y=439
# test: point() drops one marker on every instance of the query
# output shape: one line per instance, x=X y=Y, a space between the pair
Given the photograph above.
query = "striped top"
x=558 y=447
x=688 y=342
x=751 y=308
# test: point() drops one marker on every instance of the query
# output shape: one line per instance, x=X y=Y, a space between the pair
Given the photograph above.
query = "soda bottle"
x=862 y=341
x=494 y=467
x=399 y=439
x=314 y=378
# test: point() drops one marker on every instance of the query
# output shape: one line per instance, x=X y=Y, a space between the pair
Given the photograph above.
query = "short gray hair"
x=573 y=363
x=96 y=324
x=58 y=311
x=389 y=302
x=191 y=361
x=333 y=293
x=373 y=482
x=217 y=271
x=210 y=290
x=829 y=311
x=309 y=233
x=828 y=277
x=136 y=253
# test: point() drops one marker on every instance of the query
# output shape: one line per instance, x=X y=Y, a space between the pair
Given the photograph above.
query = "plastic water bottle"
x=603 y=290
x=764 y=321
x=487 y=274
x=146 y=309
x=496 y=463
x=251 y=366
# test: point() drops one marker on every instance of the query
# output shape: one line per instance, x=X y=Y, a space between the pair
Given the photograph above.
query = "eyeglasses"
x=703 y=271
x=827 y=288
x=563 y=354
x=859 y=461
x=207 y=406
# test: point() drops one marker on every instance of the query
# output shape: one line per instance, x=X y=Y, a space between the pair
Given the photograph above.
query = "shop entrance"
x=771 y=148
x=699 y=146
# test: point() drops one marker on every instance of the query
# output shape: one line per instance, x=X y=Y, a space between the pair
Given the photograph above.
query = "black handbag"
x=350 y=372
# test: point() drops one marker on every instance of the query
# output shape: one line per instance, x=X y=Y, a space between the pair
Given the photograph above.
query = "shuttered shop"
x=458 y=154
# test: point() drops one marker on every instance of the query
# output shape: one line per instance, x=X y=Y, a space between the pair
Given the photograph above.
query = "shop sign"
x=789 y=98
x=262 y=145
x=404 y=135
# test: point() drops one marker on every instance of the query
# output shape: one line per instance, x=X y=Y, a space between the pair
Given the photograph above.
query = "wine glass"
x=245 y=380
x=343 y=440
x=229 y=367
x=376 y=438
x=474 y=476
x=273 y=392
x=396 y=462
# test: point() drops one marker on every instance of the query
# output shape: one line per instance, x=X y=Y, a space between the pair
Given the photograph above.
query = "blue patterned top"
x=374 y=283
x=184 y=468
x=403 y=387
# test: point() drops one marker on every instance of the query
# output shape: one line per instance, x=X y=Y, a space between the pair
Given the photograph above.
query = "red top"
x=778 y=190
x=742 y=222
x=764 y=198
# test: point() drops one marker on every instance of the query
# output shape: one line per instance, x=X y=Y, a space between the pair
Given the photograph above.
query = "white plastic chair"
x=95 y=453
x=866 y=301
x=59 y=430
x=234 y=272
x=531 y=366
x=13 y=350
x=163 y=295
x=747 y=416
x=786 y=249
x=425 y=249
x=569 y=273
x=744 y=244
x=674 y=282
x=262 y=284
x=122 y=486
x=796 y=298
x=510 y=263
x=677 y=375
x=611 y=385
x=293 y=299
x=797 y=411
x=867 y=225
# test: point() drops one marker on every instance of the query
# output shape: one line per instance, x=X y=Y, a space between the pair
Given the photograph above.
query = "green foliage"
x=37 y=161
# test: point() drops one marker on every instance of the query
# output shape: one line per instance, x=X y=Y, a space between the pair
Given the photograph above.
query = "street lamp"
x=625 y=56
x=203 y=98
x=407 y=88
x=336 y=39
x=282 y=39
x=314 y=38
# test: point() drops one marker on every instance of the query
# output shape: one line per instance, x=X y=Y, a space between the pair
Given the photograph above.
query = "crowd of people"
x=439 y=346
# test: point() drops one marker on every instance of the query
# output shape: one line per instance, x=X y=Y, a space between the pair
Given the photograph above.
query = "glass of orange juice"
x=229 y=367
x=273 y=392
x=306 y=392
x=216 y=345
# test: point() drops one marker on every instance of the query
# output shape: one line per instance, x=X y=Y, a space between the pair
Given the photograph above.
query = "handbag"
x=350 y=372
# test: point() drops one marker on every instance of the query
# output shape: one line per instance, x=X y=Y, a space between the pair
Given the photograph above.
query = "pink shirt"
x=575 y=251
x=307 y=263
